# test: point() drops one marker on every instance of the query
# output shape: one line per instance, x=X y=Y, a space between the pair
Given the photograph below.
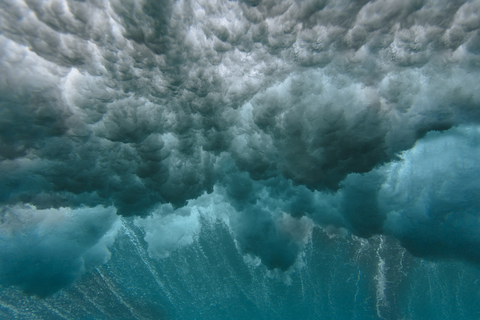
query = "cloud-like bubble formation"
x=283 y=110
x=429 y=199
x=45 y=250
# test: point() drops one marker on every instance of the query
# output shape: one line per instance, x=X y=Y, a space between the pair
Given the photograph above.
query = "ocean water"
x=347 y=278
x=250 y=159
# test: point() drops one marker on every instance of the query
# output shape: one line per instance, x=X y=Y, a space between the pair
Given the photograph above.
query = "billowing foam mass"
x=272 y=117
x=45 y=250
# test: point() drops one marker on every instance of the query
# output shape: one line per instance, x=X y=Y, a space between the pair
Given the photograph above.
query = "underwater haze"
x=249 y=159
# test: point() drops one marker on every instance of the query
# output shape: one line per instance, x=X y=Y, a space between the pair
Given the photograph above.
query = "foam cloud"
x=428 y=199
x=46 y=250
x=169 y=230
x=431 y=197
x=274 y=107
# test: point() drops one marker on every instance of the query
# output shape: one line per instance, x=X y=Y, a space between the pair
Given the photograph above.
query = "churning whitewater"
x=249 y=159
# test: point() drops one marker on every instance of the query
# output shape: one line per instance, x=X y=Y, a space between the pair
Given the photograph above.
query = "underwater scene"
x=239 y=159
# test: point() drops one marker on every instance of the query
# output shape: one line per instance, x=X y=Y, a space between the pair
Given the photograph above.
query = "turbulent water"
x=343 y=278
x=250 y=159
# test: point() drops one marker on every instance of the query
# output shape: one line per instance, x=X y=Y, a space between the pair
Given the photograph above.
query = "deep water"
x=342 y=278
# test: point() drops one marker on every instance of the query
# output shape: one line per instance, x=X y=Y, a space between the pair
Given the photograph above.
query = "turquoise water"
x=343 y=278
